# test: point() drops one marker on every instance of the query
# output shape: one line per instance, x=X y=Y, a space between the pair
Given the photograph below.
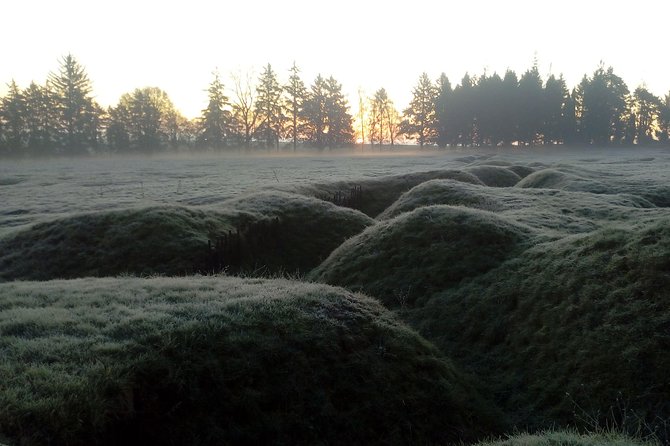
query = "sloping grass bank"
x=380 y=193
x=554 y=212
x=580 y=324
x=173 y=240
x=214 y=360
x=416 y=254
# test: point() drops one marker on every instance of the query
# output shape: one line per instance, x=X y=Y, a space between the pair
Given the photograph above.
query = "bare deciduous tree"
x=244 y=112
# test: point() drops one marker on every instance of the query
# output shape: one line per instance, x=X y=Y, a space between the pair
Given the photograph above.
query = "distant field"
x=32 y=191
x=450 y=297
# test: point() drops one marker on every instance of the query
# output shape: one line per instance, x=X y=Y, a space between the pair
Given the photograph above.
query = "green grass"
x=216 y=360
x=173 y=240
x=422 y=252
x=579 y=324
x=379 y=193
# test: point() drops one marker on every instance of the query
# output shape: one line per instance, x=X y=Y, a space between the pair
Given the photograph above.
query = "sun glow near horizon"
x=126 y=45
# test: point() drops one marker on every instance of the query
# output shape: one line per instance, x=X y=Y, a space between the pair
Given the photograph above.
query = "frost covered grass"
x=568 y=438
x=578 y=322
x=174 y=240
x=416 y=254
x=217 y=360
x=495 y=176
x=554 y=212
x=379 y=193
x=543 y=278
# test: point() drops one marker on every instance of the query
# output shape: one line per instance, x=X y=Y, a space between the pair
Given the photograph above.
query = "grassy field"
x=500 y=291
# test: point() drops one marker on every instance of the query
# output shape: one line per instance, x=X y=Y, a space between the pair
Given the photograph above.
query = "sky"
x=364 y=44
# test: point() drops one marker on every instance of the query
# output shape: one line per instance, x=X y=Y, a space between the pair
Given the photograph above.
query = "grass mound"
x=174 y=240
x=555 y=179
x=421 y=252
x=522 y=171
x=568 y=438
x=158 y=240
x=309 y=229
x=495 y=176
x=447 y=192
x=555 y=213
x=580 y=323
x=380 y=193
x=212 y=361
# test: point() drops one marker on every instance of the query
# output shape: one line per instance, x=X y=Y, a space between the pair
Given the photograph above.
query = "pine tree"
x=444 y=91
x=530 y=99
x=296 y=95
x=269 y=107
x=328 y=122
x=12 y=115
x=555 y=103
x=509 y=119
x=315 y=112
x=340 y=131
x=40 y=119
x=76 y=112
x=419 y=117
x=215 y=122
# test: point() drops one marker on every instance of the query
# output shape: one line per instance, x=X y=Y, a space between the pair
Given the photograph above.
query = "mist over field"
x=414 y=297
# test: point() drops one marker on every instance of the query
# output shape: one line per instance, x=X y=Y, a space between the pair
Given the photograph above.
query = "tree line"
x=491 y=110
x=62 y=117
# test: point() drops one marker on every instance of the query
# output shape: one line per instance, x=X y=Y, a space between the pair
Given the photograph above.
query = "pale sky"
x=368 y=44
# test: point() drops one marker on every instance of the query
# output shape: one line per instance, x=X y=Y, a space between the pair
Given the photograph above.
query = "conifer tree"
x=75 y=110
x=419 y=117
x=296 y=95
x=215 y=121
x=40 y=119
x=444 y=90
x=12 y=115
x=269 y=108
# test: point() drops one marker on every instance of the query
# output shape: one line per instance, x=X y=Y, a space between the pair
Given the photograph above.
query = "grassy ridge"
x=580 y=321
x=165 y=240
x=495 y=176
x=172 y=240
x=310 y=229
x=221 y=361
x=379 y=193
x=422 y=252
x=554 y=212
x=579 y=179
